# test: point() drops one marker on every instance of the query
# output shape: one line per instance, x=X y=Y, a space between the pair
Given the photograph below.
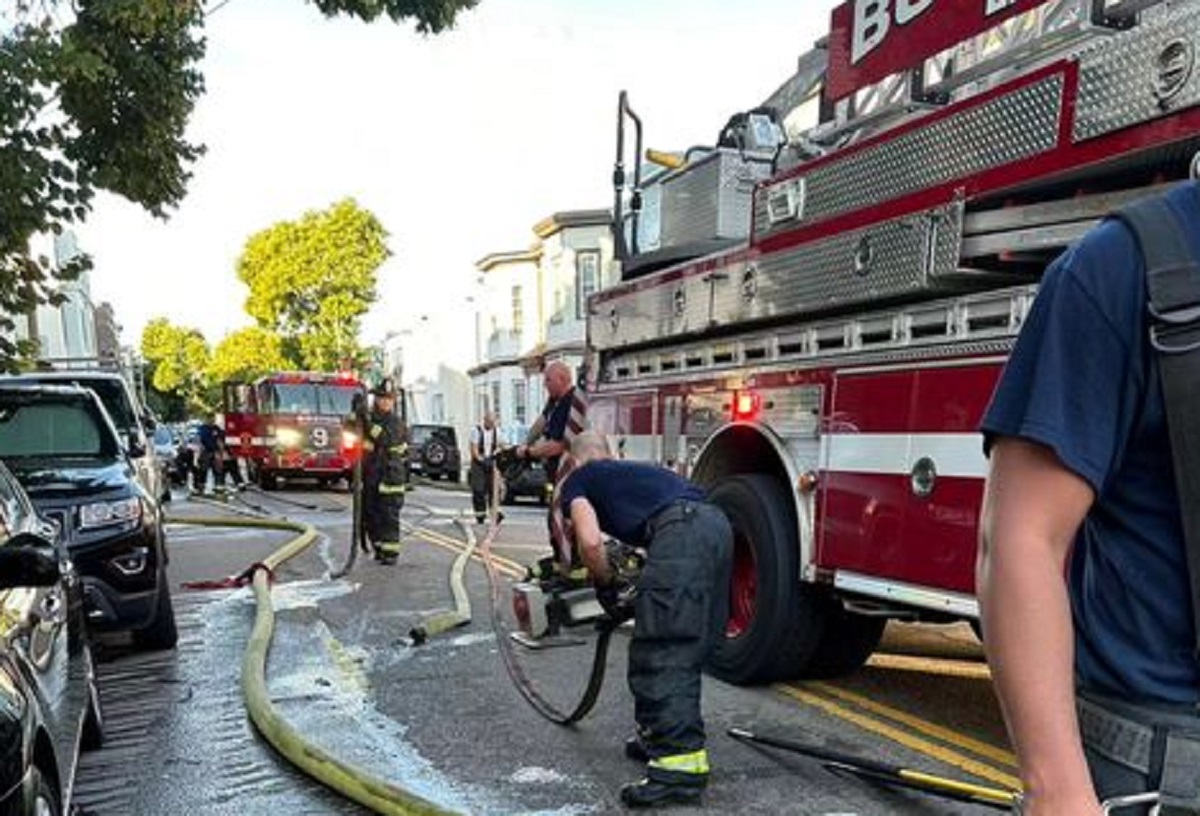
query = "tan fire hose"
x=343 y=778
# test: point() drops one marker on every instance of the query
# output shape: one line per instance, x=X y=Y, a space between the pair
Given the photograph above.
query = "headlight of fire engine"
x=289 y=437
x=102 y=514
x=349 y=439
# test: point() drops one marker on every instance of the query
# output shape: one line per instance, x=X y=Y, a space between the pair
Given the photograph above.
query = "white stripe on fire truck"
x=953 y=454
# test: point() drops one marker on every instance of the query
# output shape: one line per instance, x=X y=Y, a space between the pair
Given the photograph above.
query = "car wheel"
x=45 y=797
x=267 y=480
x=161 y=633
x=93 y=719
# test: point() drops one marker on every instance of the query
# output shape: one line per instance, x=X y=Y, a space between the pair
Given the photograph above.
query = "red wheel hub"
x=743 y=589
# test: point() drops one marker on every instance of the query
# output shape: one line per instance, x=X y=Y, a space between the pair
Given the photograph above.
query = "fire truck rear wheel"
x=775 y=623
x=267 y=480
x=848 y=640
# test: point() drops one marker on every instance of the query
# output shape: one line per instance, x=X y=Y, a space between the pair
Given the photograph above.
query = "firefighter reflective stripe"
x=694 y=763
x=375 y=431
x=392 y=490
x=400 y=449
x=390 y=547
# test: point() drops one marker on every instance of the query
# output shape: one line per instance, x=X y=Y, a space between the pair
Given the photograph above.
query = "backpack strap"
x=1173 y=300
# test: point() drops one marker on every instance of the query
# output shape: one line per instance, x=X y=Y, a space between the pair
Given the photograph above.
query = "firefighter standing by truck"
x=564 y=416
x=680 y=605
x=385 y=451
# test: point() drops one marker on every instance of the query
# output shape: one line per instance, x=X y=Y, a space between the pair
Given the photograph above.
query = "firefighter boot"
x=635 y=750
x=663 y=787
x=387 y=552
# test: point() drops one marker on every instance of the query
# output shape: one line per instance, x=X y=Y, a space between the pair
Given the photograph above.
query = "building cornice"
x=571 y=218
x=493 y=259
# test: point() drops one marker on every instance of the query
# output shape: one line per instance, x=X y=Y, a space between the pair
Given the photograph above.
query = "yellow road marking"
x=944 y=666
x=883 y=729
x=958 y=740
x=510 y=568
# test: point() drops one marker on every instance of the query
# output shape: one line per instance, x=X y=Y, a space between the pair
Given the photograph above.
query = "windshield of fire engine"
x=310 y=398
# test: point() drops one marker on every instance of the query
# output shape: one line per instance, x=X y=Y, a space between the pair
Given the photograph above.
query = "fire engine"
x=290 y=424
x=813 y=315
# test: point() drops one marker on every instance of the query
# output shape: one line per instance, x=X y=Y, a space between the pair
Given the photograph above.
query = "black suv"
x=130 y=418
x=49 y=705
x=61 y=445
x=433 y=452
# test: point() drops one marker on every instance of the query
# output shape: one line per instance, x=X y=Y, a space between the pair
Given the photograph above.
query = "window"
x=587 y=279
x=519 y=402
x=495 y=406
x=518 y=311
x=438 y=409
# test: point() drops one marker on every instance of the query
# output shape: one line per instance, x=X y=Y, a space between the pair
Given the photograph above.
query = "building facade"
x=531 y=311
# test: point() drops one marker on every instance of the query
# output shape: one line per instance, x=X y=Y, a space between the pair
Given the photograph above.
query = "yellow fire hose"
x=461 y=614
x=345 y=779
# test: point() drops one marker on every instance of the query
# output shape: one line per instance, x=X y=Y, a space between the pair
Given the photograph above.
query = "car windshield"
x=41 y=429
x=162 y=436
x=310 y=398
x=112 y=396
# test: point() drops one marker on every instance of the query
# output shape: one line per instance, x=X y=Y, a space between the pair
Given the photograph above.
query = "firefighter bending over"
x=385 y=450
x=680 y=606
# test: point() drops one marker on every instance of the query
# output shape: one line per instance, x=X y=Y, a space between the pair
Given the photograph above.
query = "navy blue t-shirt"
x=1083 y=381
x=625 y=495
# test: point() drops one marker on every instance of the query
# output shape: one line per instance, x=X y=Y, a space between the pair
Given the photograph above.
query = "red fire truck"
x=813 y=315
x=290 y=424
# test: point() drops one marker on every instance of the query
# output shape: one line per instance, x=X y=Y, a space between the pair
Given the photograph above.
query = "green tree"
x=96 y=95
x=179 y=359
x=247 y=354
x=313 y=279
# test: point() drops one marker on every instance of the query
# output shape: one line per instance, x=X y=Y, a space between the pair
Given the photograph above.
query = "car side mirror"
x=28 y=560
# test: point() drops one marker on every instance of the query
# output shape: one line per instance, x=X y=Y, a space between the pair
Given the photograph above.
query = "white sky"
x=458 y=142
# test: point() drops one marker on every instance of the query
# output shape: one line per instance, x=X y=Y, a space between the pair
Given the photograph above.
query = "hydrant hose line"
x=522 y=683
x=343 y=778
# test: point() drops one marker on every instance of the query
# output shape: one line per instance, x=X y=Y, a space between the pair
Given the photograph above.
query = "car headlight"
x=102 y=514
x=349 y=439
x=289 y=437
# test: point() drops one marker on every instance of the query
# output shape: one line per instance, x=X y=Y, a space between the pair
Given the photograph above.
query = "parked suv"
x=131 y=419
x=433 y=452
x=61 y=445
x=49 y=704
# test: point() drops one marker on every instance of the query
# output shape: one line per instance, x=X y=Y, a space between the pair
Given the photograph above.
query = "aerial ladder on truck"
x=814 y=311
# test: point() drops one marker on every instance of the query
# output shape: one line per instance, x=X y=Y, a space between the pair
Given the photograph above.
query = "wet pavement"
x=441 y=719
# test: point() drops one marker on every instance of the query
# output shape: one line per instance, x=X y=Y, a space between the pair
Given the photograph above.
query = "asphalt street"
x=443 y=718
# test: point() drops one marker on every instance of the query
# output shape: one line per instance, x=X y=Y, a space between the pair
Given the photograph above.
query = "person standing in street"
x=211 y=456
x=1083 y=576
x=680 y=607
x=385 y=450
x=564 y=416
x=485 y=442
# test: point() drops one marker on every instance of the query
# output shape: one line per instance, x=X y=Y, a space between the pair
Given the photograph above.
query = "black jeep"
x=63 y=448
x=433 y=452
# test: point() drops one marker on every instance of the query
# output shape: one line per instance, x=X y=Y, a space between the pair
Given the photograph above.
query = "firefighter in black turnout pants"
x=680 y=607
x=385 y=449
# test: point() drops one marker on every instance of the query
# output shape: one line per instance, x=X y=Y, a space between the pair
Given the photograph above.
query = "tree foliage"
x=179 y=359
x=313 y=279
x=96 y=95
x=247 y=354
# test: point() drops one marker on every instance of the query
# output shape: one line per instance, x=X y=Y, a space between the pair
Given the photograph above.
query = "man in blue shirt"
x=1081 y=485
x=680 y=608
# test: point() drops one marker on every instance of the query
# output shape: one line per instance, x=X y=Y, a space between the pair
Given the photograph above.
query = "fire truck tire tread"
x=267 y=480
x=846 y=643
x=788 y=618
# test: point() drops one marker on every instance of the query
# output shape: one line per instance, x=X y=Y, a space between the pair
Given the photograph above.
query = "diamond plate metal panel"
x=1135 y=77
x=914 y=256
x=710 y=198
x=1009 y=128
